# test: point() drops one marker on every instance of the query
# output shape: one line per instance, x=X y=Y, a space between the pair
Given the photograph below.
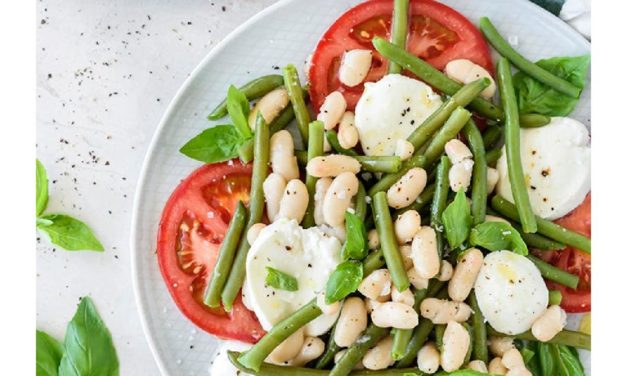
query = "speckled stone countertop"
x=106 y=71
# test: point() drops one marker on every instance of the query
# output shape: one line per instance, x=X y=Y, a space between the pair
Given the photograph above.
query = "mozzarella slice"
x=390 y=110
x=220 y=365
x=556 y=163
x=308 y=255
x=510 y=292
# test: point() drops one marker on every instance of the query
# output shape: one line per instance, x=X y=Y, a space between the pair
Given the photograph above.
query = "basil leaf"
x=457 y=220
x=570 y=363
x=536 y=97
x=88 y=345
x=496 y=236
x=344 y=280
x=238 y=107
x=280 y=280
x=547 y=365
x=42 y=188
x=49 y=353
x=69 y=233
x=356 y=244
x=216 y=144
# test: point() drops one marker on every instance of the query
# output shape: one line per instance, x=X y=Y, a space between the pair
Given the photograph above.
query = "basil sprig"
x=280 y=280
x=344 y=280
x=457 y=220
x=496 y=236
x=356 y=245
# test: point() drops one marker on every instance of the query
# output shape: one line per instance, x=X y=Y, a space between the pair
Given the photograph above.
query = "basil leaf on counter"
x=42 y=188
x=344 y=280
x=69 y=233
x=88 y=345
x=49 y=353
x=536 y=97
x=280 y=280
x=496 y=236
x=216 y=144
x=356 y=245
x=457 y=220
x=238 y=107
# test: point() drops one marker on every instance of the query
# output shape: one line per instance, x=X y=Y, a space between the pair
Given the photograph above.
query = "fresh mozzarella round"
x=309 y=255
x=510 y=292
x=556 y=163
x=220 y=365
x=390 y=110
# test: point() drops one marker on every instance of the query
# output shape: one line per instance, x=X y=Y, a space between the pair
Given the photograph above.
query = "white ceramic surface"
x=283 y=33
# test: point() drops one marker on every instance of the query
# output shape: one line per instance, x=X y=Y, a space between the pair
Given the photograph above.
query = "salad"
x=411 y=208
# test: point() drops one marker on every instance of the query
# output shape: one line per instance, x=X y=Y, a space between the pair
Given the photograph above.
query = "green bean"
x=438 y=204
x=314 y=149
x=254 y=357
x=422 y=201
x=331 y=136
x=555 y=297
x=479 y=193
x=538 y=241
x=439 y=335
x=373 y=261
x=301 y=157
x=400 y=340
x=357 y=350
x=384 y=163
x=565 y=337
x=492 y=156
x=388 y=180
x=225 y=257
x=492 y=136
x=534 y=120
x=542 y=75
x=245 y=151
x=480 y=345
x=449 y=131
x=387 y=237
x=254 y=89
x=512 y=150
x=554 y=274
x=545 y=227
x=256 y=205
x=329 y=352
x=361 y=207
x=471 y=334
x=399 y=30
x=295 y=93
x=419 y=337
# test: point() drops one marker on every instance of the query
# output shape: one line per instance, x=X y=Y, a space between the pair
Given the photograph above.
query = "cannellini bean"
x=376 y=284
x=273 y=188
x=492 y=179
x=493 y=218
x=549 y=324
x=406 y=297
x=340 y=354
x=347 y=133
x=326 y=146
x=373 y=239
x=512 y=358
x=294 y=201
x=327 y=309
x=500 y=345
x=518 y=371
x=270 y=106
x=460 y=174
x=457 y=151
x=465 y=71
x=425 y=253
x=282 y=157
x=428 y=358
x=406 y=226
x=338 y=198
x=407 y=189
x=352 y=321
x=417 y=281
x=465 y=274
x=288 y=349
x=355 y=66
x=478 y=365
x=404 y=149
x=312 y=348
x=332 y=165
x=253 y=232
x=332 y=109
x=446 y=271
x=496 y=367
x=372 y=304
x=322 y=186
x=441 y=311
x=380 y=356
x=455 y=344
x=394 y=315
x=405 y=250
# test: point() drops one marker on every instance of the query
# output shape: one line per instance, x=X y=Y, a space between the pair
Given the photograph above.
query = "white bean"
x=500 y=345
x=406 y=226
x=253 y=232
x=332 y=109
x=327 y=309
x=407 y=189
x=428 y=358
x=492 y=179
x=326 y=146
x=457 y=151
x=353 y=320
x=282 y=157
x=417 y=281
x=380 y=356
x=549 y=324
x=322 y=186
x=425 y=253
x=294 y=201
x=273 y=188
x=465 y=274
x=465 y=71
x=404 y=149
x=518 y=371
x=394 y=315
x=460 y=175
x=496 y=367
x=455 y=344
x=406 y=297
x=512 y=358
x=373 y=239
x=441 y=311
x=478 y=365
x=372 y=304
x=288 y=349
x=376 y=284
x=406 y=251
x=347 y=134
x=446 y=271
x=270 y=106
x=338 y=198
x=354 y=67
x=312 y=348
x=332 y=165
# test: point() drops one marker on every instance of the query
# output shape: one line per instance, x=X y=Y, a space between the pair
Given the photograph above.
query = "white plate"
x=284 y=33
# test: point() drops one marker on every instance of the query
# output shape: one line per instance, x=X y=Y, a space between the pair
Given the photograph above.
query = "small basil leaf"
x=49 y=353
x=42 y=188
x=457 y=220
x=547 y=364
x=496 y=236
x=356 y=245
x=69 y=233
x=344 y=280
x=216 y=144
x=280 y=280
x=88 y=345
x=570 y=363
x=238 y=108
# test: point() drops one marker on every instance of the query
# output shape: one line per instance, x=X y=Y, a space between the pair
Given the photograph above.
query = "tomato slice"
x=192 y=227
x=436 y=33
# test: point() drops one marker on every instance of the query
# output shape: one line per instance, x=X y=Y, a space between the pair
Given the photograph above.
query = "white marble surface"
x=106 y=71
